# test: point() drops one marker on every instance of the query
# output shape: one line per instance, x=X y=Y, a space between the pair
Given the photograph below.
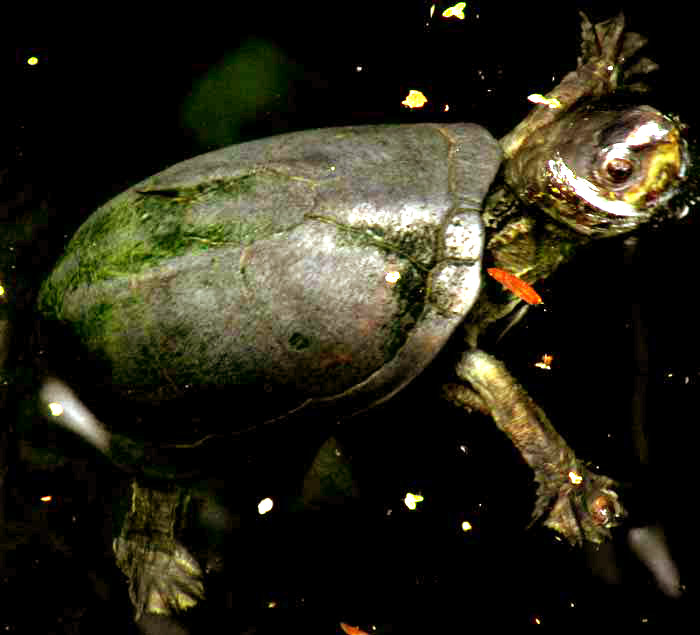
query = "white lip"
x=587 y=191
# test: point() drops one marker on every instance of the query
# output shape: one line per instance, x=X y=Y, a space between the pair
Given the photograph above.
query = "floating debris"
x=545 y=362
x=415 y=99
x=455 y=11
x=352 y=630
x=550 y=102
x=519 y=287
x=411 y=500
x=575 y=478
x=265 y=505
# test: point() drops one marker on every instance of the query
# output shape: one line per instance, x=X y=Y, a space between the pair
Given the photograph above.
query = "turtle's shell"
x=325 y=266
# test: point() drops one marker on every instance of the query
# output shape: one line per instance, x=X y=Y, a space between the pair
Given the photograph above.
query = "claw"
x=601 y=41
x=642 y=66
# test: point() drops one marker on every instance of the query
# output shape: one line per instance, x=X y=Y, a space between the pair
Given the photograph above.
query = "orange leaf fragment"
x=511 y=282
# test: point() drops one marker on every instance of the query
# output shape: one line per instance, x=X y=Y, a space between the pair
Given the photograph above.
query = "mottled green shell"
x=321 y=266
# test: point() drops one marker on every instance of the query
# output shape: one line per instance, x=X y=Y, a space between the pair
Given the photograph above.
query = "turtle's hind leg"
x=164 y=578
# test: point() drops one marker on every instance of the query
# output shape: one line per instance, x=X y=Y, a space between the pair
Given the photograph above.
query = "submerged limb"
x=581 y=504
x=164 y=578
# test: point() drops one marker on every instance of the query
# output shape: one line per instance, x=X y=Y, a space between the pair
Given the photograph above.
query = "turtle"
x=322 y=271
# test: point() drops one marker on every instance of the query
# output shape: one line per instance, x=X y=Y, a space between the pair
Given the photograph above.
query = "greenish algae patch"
x=140 y=229
x=410 y=290
x=376 y=237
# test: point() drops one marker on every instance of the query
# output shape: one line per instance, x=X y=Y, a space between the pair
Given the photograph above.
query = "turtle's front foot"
x=576 y=502
x=164 y=578
x=585 y=507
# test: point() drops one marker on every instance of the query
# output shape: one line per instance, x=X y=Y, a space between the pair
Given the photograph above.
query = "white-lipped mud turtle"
x=327 y=268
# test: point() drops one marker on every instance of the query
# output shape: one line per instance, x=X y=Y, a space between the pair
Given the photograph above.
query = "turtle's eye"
x=602 y=510
x=618 y=169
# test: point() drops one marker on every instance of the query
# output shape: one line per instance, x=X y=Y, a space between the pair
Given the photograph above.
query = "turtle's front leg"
x=581 y=504
x=163 y=577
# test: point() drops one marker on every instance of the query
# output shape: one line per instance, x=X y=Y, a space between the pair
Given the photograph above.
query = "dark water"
x=86 y=122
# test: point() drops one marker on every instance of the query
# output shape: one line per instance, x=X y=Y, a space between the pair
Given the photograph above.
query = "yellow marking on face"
x=663 y=167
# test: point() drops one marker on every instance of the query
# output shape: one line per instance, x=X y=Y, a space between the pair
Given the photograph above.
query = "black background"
x=88 y=121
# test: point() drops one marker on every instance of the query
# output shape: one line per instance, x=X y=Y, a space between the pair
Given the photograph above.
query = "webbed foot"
x=585 y=507
x=164 y=578
x=576 y=502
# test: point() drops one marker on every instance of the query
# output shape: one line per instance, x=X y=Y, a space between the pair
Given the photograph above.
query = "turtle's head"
x=602 y=171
